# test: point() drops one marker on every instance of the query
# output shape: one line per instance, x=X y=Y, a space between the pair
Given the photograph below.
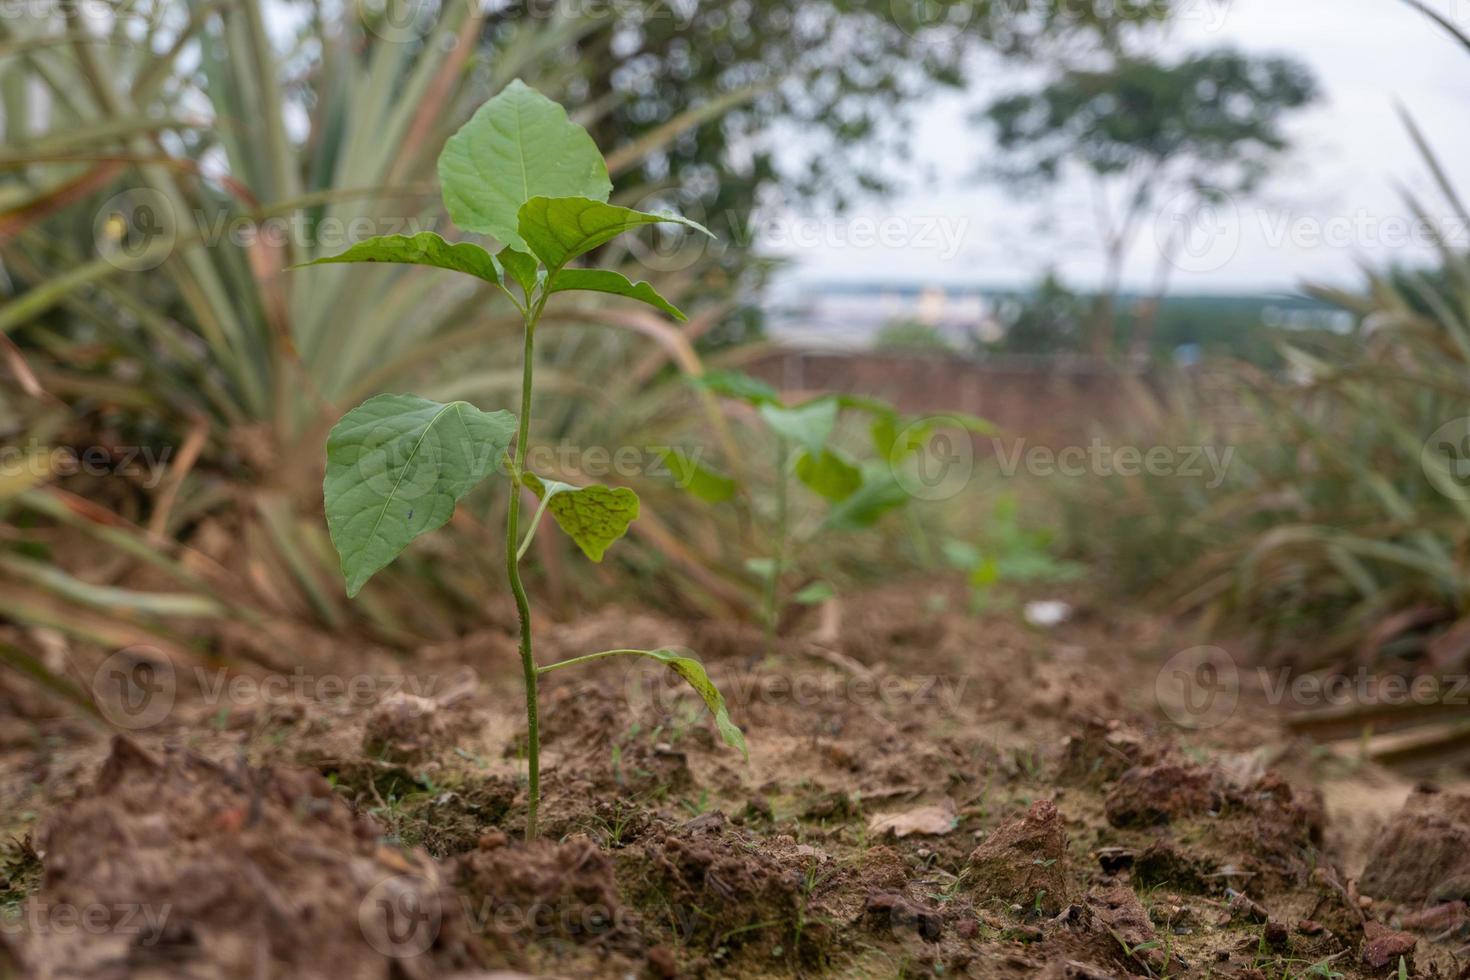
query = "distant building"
x=849 y=316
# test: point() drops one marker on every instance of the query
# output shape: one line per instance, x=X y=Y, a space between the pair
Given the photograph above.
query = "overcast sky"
x=1335 y=202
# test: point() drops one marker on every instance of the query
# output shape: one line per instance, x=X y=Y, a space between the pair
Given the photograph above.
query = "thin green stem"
x=778 y=557
x=513 y=572
x=588 y=658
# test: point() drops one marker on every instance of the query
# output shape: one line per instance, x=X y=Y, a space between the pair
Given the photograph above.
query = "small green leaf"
x=806 y=425
x=960 y=554
x=693 y=672
x=879 y=494
x=396 y=467
x=608 y=281
x=829 y=474
x=733 y=384
x=703 y=482
x=517 y=146
x=594 y=517
x=884 y=433
x=521 y=267
x=558 y=229
x=815 y=594
x=760 y=567
x=425 y=248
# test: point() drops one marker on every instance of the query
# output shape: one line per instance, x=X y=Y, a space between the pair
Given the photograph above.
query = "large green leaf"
x=828 y=474
x=806 y=425
x=558 y=229
x=425 y=248
x=607 y=281
x=594 y=516
x=396 y=467
x=517 y=146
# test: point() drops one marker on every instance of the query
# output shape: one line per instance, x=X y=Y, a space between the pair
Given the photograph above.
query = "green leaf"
x=806 y=425
x=829 y=474
x=693 y=672
x=960 y=554
x=815 y=594
x=607 y=281
x=425 y=248
x=517 y=146
x=521 y=267
x=760 y=567
x=884 y=433
x=396 y=467
x=879 y=494
x=733 y=384
x=703 y=482
x=594 y=517
x=558 y=229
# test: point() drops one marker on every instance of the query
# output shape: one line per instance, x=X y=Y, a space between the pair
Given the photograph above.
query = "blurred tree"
x=828 y=82
x=911 y=337
x=1191 y=134
x=1047 y=321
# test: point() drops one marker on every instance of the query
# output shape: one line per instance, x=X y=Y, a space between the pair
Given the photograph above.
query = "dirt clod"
x=1161 y=793
x=1024 y=861
x=1383 y=946
x=1424 y=852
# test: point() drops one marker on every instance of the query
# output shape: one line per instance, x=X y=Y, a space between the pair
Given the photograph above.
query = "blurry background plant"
x=1007 y=554
x=1339 y=539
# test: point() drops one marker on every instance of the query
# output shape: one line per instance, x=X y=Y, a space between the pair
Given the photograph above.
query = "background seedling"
x=858 y=492
x=397 y=465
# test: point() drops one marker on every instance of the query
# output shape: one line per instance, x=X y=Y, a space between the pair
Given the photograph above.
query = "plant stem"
x=779 y=549
x=513 y=572
x=588 y=658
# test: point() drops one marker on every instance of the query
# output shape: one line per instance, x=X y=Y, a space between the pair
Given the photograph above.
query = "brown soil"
x=929 y=795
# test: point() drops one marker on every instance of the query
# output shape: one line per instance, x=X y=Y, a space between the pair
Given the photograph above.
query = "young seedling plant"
x=524 y=174
x=858 y=492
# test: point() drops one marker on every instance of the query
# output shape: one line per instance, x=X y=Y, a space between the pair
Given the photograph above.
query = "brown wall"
x=1049 y=401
